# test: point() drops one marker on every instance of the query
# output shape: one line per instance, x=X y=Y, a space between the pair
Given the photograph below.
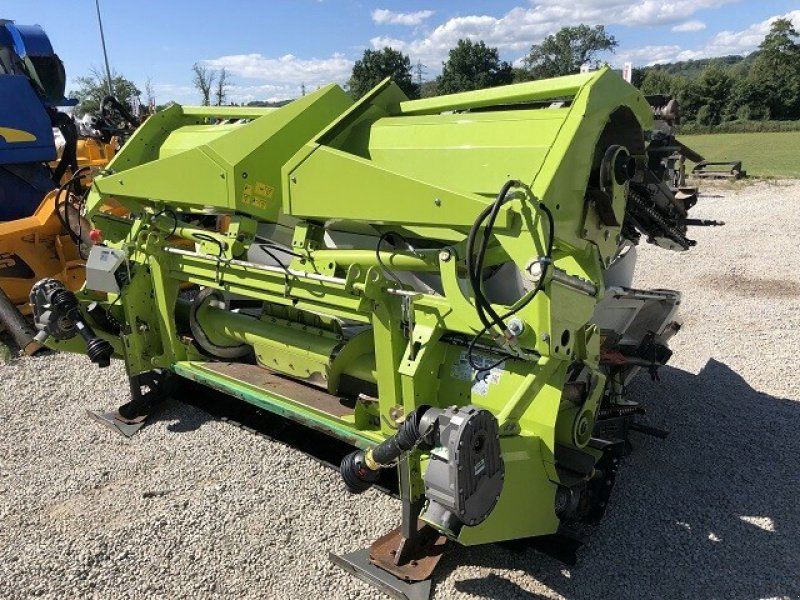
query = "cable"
x=170 y=212
x=522 y=302
x=275 y=246
x=209 y=238
x=475 y=264
x=381 y=239
x=286 y=272
x=64 y=219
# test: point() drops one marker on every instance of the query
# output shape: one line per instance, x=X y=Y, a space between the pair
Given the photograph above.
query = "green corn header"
x=442 y=283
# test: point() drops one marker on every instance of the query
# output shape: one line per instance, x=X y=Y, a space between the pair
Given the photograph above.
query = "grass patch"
x=774 y=154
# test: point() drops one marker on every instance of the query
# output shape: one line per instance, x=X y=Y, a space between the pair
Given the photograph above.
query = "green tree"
x=93 y=88
x=714 y=87
x=428 y=89
x=377 y=65
x=749 y=100
x=657 y=81
x=472 y=66
x=777 y=70
x=566 y=51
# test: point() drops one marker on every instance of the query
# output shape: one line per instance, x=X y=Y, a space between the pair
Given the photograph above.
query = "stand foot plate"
x=358 y=564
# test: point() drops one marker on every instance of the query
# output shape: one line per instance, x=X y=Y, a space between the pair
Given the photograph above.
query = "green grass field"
x=762 y=154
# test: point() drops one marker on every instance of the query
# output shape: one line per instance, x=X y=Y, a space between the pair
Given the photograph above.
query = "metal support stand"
x=401 y=562
x=148 y=391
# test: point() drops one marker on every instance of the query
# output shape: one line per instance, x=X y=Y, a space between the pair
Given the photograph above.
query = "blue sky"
x=273 y=47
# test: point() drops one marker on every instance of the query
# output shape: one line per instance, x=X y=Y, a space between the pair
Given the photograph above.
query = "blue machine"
x=32 y=83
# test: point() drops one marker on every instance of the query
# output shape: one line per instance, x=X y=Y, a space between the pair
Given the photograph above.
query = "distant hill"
x=261 y=103
x=692 y=68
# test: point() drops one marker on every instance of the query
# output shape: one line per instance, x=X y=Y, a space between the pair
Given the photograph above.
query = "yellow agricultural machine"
x=42 y=182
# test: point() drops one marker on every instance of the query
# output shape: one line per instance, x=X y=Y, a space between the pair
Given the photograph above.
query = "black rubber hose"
x=473 y=280
x=17 y=326
x=524 y=301
x=98 y=349
x=69 y=156
x=475 y=260
x=487 y=232
x=355 y=468
x=120 y=108
x=386 y=453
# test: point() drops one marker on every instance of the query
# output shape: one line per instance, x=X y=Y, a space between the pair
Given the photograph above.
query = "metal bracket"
x=148 y=390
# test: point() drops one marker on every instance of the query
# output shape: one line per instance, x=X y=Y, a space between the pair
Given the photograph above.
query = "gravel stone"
x=197 y=508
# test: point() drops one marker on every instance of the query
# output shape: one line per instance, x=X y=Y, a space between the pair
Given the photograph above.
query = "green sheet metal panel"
x=186 y=161
x=472 y=152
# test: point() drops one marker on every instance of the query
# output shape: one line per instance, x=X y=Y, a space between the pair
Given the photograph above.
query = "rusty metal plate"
x=411 y=559
x=282 y=386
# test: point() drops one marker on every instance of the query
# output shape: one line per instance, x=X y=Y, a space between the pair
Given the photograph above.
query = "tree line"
x=763 y=86
x=472 y=65
x=711 y=92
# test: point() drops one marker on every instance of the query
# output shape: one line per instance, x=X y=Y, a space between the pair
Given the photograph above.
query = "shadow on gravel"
x=710 y=512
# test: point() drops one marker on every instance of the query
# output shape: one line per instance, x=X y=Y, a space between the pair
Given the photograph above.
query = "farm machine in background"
x=445 y=284
x=673 y=154
x=43 y=177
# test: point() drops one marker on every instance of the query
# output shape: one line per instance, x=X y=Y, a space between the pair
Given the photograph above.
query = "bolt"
x=444 y=255
x=516 y=326
x=545 y=337
x=437 y=201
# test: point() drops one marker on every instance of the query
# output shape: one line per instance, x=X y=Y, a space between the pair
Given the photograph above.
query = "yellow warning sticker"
x=262 y=189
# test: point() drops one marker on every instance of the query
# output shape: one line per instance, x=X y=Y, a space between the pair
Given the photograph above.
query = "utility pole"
x=105 y=53
x=420 y=69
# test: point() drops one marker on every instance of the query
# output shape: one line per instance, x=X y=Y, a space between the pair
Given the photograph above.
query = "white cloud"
x=279 y=78
x=747 y=40
x=383 y=16
x=689 y=26
x=522 y=27
x=722 y=44
x=287 y=69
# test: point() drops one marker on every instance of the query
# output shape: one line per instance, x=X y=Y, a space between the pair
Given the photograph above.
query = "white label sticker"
x=481 y=379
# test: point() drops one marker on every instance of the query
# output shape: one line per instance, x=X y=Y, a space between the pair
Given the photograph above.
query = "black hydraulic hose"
x=69 y=156
x=475 y=262
x=360 y=470
x=13 y=321
x=523 y=302
x=487 y=232
x=64 y=219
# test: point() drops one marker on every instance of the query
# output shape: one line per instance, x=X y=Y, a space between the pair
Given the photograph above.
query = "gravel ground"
x=196 y=508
